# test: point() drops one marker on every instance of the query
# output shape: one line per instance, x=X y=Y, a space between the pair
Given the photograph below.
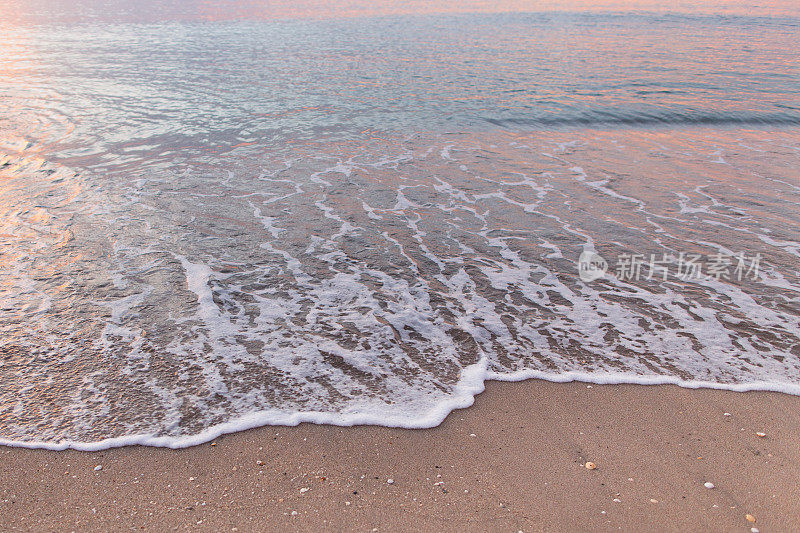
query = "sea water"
x=215 y=218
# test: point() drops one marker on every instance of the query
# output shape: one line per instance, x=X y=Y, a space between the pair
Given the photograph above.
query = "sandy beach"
x=514 y=461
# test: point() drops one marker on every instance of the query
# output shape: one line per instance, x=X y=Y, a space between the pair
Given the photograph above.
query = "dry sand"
x=514 y=461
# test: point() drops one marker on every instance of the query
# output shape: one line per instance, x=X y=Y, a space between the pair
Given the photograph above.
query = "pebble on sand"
x=750 y=518
x=304 y=489
x=761 y=434
x=390 y=481
x=590 y=465
x=98 y=468
x=708 y=485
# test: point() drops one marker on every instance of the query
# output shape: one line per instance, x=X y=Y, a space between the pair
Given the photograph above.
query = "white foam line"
x=471 y=384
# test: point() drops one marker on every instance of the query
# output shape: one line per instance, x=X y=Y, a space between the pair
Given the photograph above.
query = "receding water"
x=207 y=225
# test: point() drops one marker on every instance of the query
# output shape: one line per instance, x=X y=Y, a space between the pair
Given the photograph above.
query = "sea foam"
x=383 y=281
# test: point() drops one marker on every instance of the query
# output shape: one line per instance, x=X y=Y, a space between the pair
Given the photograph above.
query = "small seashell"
x=98 y=468
x=590 y=465
x=750 y=518
x=653 y=500
x=761 y=434
x=708 y=485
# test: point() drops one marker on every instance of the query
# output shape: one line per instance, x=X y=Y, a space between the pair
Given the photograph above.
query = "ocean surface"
x=215 y=216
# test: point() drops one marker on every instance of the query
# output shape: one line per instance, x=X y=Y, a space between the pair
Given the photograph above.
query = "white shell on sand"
x=708 y=485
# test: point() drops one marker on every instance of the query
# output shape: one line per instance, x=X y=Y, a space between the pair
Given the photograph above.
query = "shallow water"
x=211 y=225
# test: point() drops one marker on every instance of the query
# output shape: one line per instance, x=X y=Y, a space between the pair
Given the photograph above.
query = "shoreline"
x=513 y=461
x=469 y=388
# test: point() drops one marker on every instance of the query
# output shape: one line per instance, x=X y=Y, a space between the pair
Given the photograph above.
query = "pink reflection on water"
x=42 y=11
x=266 y=9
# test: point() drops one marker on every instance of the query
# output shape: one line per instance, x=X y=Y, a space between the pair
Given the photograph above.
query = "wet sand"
x=514 y=461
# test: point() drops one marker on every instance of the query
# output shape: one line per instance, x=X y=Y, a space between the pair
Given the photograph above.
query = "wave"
x=602 y=119
x=382 y=280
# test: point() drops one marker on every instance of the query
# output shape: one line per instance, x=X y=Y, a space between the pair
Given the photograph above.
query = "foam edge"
x=471 y=384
